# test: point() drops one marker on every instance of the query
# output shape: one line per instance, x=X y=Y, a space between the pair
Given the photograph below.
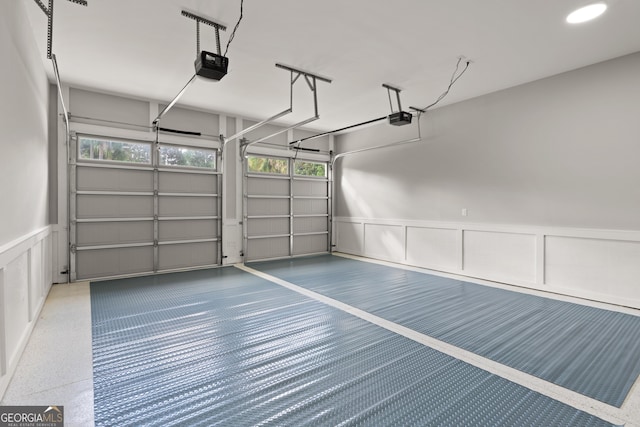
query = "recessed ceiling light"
x=586 y=13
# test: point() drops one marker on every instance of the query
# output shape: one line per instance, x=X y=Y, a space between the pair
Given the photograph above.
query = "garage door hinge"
x=73 y=249
x=155 y=243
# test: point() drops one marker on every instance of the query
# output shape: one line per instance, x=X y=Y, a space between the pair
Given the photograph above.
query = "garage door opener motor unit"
x=211 y=66
x=398 y=118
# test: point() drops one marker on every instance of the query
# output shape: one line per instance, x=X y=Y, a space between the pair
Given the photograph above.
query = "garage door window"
x=272 y=165
x=172 y=155
x=304 y=168
x=90 y=148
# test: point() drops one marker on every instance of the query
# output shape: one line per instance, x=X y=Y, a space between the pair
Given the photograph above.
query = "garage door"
x=142 y=208
x=286 y=208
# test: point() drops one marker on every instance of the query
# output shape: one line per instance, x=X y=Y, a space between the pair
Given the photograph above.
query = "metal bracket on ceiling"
x=397 y=91
x=49 y=12
x=215 y=25
x=198 y=20
x=312 y=82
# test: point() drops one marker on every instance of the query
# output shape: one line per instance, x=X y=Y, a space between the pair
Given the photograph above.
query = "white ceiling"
x=145 y=48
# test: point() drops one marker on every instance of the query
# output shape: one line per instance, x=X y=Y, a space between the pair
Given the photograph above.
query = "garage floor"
x=307 y=333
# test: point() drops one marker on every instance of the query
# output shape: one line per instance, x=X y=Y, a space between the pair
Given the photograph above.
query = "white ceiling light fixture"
x=587 y=13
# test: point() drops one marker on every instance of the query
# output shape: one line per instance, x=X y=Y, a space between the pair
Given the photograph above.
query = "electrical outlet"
x=464 y=212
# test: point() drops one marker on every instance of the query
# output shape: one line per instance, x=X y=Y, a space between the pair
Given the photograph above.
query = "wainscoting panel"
x=602 y=265
x=597 y=266
x=506 y=257
x=25 y=280
x=436 y=248
x=350 y=235
x=386 y=242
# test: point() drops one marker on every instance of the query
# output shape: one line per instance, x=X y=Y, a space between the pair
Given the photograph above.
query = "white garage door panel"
x=103 y=206
x=275 y=247
x=187 y=255
x=310 y=206
x=176 y=182
x=310 y=244
x=308 y=187
x=114 y=233
x=134 y=218
x=171 y=206
x=259 y=207
x=268 y=226
x=286 y=214
x=104 y=179
x=310 y=224
x=268 y=186
x=114 y=262
x=187 y=230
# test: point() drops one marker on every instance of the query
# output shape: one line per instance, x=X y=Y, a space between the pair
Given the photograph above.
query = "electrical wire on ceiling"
x=454 y=78
x=233 y=33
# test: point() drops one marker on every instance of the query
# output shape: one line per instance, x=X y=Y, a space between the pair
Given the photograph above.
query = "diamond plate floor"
x=223 y=347
x=592 y=351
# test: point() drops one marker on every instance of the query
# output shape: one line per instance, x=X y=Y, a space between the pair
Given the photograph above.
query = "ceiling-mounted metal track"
x=295 y=75
x=173 y=101
x=49 y=12
x=199 y=19
x=397 y=91
x=42 y=6
x=379 y=147
x=312 y=82
x=304 y=73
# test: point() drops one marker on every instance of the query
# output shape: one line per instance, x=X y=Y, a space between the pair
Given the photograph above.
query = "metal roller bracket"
x=312 y=80
x=49 y=12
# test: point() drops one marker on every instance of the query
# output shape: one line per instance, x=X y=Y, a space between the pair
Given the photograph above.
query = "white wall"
x=533 y=166
x=23 y=119
x=25 y=237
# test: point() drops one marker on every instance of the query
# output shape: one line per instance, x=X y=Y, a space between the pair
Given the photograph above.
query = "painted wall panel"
x=385 y=242
x=558 y=152
x=35 y=279
x=599 y=266
x=500 y=256
x=16 y=308
x=350 y=237
x=192 y=121
x=24 y=103
x=3 y=340
x=436 y=248
x=106 y=107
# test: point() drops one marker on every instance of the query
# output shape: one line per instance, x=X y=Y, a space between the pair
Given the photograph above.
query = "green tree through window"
x=268 y=165
x=119 y=151
x=302 y=167
x=190 y=157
